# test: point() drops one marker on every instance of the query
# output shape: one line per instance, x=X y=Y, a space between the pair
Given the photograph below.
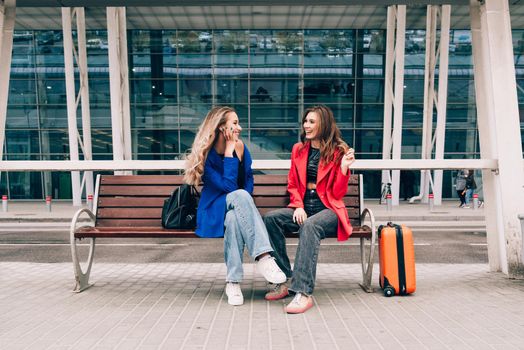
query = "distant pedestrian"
x=460 y=186
x=471 y=186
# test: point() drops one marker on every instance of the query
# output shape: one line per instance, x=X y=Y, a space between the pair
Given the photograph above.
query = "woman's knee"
x=242 y=195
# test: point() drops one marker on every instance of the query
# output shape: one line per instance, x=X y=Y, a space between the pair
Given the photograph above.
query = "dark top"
x=241 y=171
x=312 y=165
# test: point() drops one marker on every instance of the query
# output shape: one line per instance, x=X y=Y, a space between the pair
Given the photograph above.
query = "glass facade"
x=268 y=76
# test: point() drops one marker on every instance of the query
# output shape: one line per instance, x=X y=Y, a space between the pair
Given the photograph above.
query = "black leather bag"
x=179 y=210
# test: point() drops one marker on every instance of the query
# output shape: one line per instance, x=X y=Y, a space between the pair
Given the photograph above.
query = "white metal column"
x=499 y=131
x=119 y=83
x=84 y=96
x=394 y=99
x=71 y=102
x=440 y=132
x=7 y=24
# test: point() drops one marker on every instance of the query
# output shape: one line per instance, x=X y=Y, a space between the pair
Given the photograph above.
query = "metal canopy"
x=249 y=17
x=105 y=3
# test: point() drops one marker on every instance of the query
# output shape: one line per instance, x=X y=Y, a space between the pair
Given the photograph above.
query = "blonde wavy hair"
x=204 y=140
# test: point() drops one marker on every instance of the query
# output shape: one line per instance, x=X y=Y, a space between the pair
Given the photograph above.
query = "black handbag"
x=179 y=210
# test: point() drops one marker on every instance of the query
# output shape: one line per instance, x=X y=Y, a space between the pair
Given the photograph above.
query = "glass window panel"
x=272 y=144
x=460 y=43
x=348 y=136
x=232 y=91
x=285 y=116
x=328 y=41
x=140 y=40
x=22 y=116
x=195 y=91
x=236 y=60
x=156 y=144
x=21 y=92
x=21 y=60
x=96 y=42
x=369 y=115
x=372 y=90
x=97 y=63
x=414 y=91
x=464 y=115
x=231 y=41
x=461 y=91
x=52 y=91
x=373 y=41
x=518 y=41
x=269 y=61
x=99 y=91
x=193 y=41
x=193 y=114
x=328 y=90
x=22 y=143
x=100 y=116
x=55 y=142
x=343 y=114
x=22 y=38
x=25 y=185
x=53 y=116
x=49 y=41
x=274 y=91
x=460 y=141
x=413 y=115
x=372 y=65
x=102 y=143
x=154 y=91
x=154 y=116
x=368 y=142
x=415 y=66
x=186 y=139
x=411 y=143
x=415 y=44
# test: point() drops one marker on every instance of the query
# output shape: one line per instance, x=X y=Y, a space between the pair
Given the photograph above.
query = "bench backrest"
x=136 y=201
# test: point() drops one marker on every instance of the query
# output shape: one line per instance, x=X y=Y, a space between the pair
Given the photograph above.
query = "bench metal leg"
x=367 y=262
x=81 y=277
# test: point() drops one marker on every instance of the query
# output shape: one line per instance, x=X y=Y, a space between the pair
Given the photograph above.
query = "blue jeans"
x=243 y=225
x=314 y=229
x=469 y=194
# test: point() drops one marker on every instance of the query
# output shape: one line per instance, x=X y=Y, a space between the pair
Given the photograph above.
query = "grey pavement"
x=174 y=305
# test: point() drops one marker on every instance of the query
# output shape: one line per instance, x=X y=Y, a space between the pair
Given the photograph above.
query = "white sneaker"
x=234 y=294
x=270 y=270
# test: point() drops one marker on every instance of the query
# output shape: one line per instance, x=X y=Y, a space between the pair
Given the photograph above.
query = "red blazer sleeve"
x=340 y=185
x=295 y=199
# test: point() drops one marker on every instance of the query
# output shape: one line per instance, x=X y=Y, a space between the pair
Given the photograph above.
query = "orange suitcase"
x=397 y=260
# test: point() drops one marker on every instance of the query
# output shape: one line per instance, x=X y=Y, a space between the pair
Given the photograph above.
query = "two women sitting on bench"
x=318 y=181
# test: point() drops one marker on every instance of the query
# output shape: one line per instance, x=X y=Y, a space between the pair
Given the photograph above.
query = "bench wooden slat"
x=159 y=232
x=139 y=190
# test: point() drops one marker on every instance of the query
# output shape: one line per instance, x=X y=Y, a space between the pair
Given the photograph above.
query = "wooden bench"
x=130 y=207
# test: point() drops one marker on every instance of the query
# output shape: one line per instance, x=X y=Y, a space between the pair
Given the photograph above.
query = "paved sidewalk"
x=182 y=306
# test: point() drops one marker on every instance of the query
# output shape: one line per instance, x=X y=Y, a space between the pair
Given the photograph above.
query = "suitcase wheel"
x=389 y=291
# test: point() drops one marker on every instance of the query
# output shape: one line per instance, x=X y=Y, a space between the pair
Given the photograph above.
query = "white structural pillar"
x=84 y=96
x=7 y=25
x=499 y=131
x=71 y=102
x=119 y=84
x=394 y=99
x=440 y=132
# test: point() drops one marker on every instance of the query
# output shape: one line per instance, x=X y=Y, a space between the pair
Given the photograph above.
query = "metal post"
x=48 y=203
x=388 y=90
x=4 y=203
x=119 y=84
x=71 y=102
x=440 y=132
x=7 y=24
x=84 y=95
x=431 y=201
x=399 y=98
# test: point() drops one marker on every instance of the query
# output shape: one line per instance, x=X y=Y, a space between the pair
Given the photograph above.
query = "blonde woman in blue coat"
x=221 y=161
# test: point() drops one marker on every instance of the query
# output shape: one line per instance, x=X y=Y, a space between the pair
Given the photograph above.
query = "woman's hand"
x=230 y=140
x=299 y=216
x=347 y=160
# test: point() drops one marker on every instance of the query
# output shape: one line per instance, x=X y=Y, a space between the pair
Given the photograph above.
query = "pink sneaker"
x=277 y=291
x=300 y=304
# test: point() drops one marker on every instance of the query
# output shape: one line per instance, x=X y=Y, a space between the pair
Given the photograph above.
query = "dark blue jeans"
x=314 y=229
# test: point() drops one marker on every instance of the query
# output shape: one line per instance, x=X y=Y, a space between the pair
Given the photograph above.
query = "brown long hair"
x=328 y=132
x=204 y=140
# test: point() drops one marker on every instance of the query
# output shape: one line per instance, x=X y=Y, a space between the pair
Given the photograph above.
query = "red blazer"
x=332 y=185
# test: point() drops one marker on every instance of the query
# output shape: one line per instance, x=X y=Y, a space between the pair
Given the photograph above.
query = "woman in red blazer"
x=317 y=182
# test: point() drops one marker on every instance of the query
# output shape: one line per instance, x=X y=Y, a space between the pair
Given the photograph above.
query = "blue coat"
x=220 y=178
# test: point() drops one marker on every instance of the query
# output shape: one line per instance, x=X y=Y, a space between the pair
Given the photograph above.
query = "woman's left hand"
x=347 y=160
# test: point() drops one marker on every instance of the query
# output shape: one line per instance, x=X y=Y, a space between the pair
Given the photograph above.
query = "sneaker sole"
x=300 y=311
x=277 y=297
